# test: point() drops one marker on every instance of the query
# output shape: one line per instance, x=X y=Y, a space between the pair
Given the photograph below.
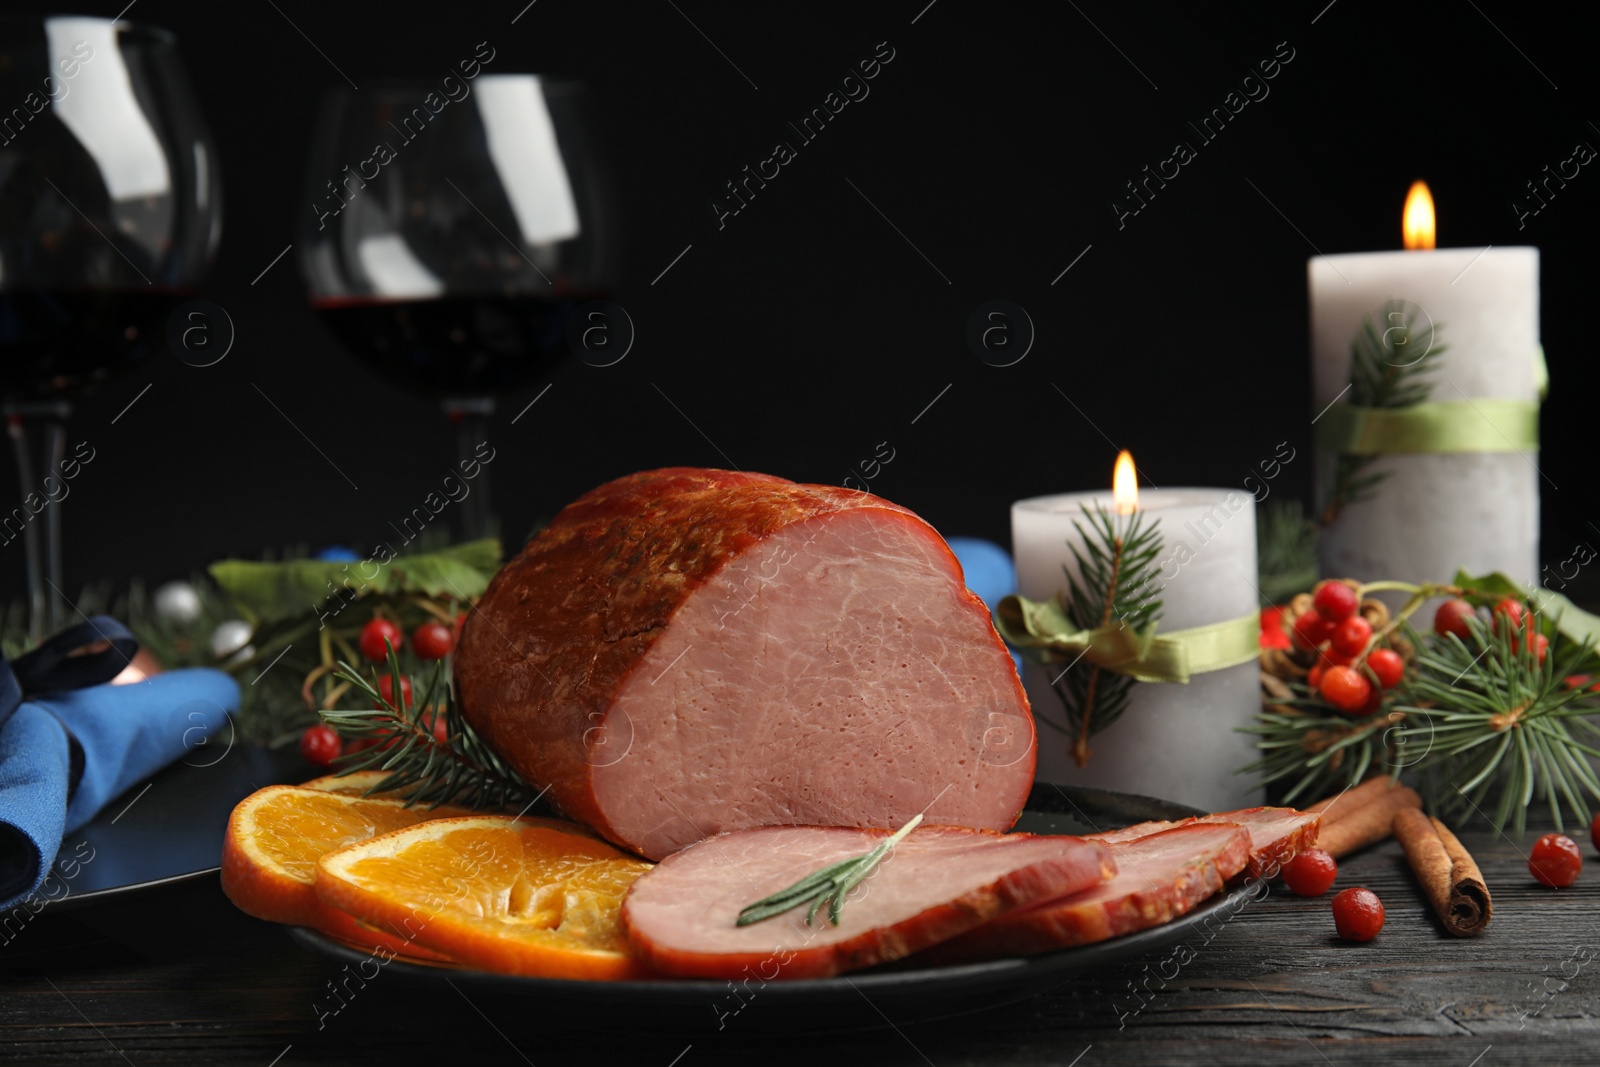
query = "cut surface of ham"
x=681 y=917
x=1276 y=834
x=684 y=652
x=1160 y=876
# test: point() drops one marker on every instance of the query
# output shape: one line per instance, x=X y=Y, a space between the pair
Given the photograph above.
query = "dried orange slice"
x=277 y=834
x=517 y=896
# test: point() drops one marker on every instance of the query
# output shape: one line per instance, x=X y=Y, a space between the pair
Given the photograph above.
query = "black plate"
x=884 y=996
x=168 y=828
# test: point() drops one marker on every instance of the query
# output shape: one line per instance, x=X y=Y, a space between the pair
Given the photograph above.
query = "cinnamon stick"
x=1373 y=821
x=1342 y=803
x=1447 y=874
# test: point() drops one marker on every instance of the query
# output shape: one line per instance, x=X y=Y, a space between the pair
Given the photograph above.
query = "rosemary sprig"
x=461 y=768
x=828 y=886
x=1383 y=374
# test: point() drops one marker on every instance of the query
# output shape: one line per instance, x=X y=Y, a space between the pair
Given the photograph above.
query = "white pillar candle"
x=1433 y=513
x=1177 y=741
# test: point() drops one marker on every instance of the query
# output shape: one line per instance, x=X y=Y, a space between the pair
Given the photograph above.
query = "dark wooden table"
x=179 y=976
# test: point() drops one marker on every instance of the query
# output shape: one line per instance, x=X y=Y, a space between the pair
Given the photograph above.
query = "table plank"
x=179 y=976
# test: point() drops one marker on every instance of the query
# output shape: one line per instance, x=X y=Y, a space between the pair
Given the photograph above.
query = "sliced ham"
x=1276 y=834
x=684 y=652
x=681 y=917
x=1159 y=877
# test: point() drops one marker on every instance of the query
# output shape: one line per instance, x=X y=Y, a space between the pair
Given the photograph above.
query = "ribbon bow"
x=1044 y=634
x=61 y=663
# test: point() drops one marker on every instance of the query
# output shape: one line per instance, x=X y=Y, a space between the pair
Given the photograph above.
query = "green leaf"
x=270 y=591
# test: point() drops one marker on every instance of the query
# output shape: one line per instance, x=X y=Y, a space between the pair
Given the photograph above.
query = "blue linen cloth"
x=68 y=745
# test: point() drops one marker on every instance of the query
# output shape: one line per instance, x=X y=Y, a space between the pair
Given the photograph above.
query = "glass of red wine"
x=110 y=211
x=455 y=225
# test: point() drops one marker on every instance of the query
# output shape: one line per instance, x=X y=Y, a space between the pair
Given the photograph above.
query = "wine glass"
x=110 y=210
x=455 y=224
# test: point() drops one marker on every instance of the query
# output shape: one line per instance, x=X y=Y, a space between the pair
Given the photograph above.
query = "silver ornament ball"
x=177 y=602
x=229 y=638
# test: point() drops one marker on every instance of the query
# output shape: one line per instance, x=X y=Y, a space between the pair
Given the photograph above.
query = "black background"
x=808 y=330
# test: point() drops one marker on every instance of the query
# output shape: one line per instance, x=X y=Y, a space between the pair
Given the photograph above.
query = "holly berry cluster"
x=321 y=745
x=1342 y=645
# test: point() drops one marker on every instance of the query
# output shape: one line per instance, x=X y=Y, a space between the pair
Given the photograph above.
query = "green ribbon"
x=1487 y=424
x=1042 y=631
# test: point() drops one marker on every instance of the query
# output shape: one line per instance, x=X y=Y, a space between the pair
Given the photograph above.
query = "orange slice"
x=353 y=784
x=277 y=834
x=517 y=896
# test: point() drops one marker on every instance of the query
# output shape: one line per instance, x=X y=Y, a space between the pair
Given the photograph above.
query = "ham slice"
x=685 y=652
x=1276 y=834
x=1159 y=877
x=681 y=917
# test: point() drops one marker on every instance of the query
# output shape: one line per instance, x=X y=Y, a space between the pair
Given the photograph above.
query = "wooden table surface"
x=178 y=976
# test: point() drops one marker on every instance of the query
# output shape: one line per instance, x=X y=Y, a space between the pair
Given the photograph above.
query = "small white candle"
x=1176 y=741
x=1434 y=513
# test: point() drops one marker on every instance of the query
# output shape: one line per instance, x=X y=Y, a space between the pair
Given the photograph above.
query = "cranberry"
x=320 y=744
x=432 y=640
x=373 y=636
x=1314 y=676
x=386 y=690
x=1387 y=665
x=1334 y=601
x=1555 y=860
x=1346 y=689
x=1452 y=618
x=1358 y=914
x=1310 y=873
x=1351 y=636
x=1310 y=630
x=1510 y=612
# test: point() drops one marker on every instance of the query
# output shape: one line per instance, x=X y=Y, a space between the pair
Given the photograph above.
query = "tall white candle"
x=1434 y=513
x=1177 y=741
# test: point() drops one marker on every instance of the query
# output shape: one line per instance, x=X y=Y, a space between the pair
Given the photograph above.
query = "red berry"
x=1511 y=611
x=1314 y=676
x=436 y=722
x=1451 y=618
x=1541 y=646
x=320 y=744
x=1358 y=914
x=1374 y=702
x=386 y=690
x=1311 y=629
x=1351 y=635
x=1555 y=860
x=432 y=640
x=1346 y=689
x=1577 y=681
x=1387 y=665
x=1310 y=873
x=1332 y=657
x=373 y=635
x=1594 y=831
x=1334 y=601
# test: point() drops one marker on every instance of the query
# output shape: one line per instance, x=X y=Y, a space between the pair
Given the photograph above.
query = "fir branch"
x=460 y=769
x=1383 y=374
x=1117 y=580
x=1286 y=550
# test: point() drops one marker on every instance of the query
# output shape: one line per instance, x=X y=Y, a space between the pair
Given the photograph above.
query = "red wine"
x=54 y=341
x=454 y=346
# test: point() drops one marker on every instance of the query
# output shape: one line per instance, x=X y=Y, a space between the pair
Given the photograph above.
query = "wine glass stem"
x=45 y=599
x=472 y=431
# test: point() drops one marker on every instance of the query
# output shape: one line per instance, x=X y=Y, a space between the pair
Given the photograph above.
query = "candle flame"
x=1417 y=222
x=1125 y=484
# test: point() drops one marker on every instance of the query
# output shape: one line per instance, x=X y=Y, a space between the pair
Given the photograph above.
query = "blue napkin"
x=69 y=744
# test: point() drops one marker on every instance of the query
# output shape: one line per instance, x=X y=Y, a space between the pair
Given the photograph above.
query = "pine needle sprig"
x=1496 y=720
x=1328 y=752
x=460 y=769
x=1385 y=372
x=1117 y=580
